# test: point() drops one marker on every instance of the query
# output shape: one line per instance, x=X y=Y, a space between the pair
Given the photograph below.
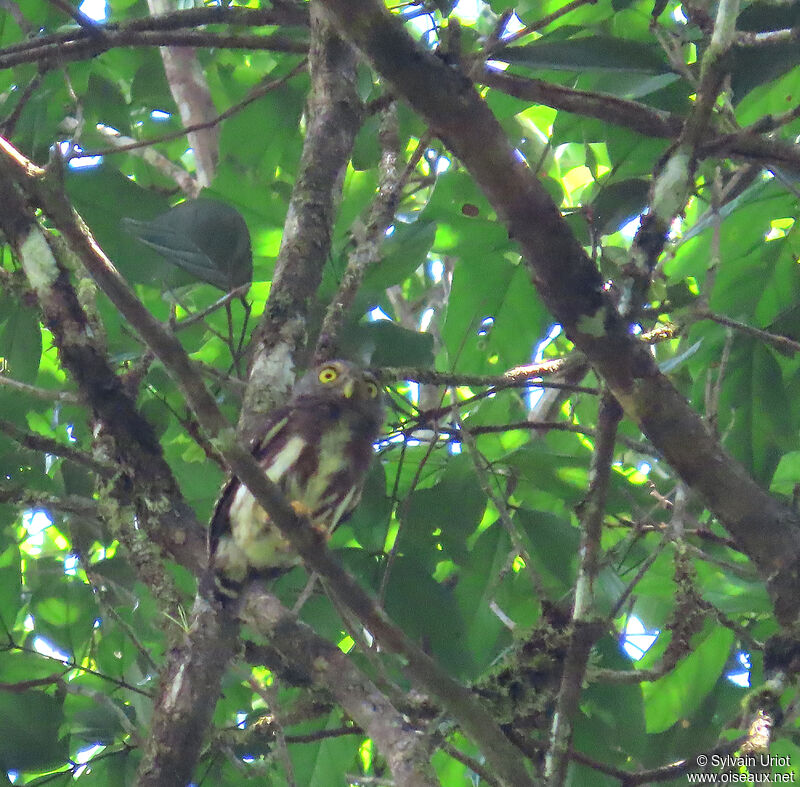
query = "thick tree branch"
x=646 y=120
x=55 y=55
x=767 y=531
x=406 y=750
x=334 y=116
x=187 y=696
x=143 y=479
x=610 y=109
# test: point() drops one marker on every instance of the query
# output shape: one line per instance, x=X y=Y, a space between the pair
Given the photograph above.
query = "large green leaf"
x=676 y=695
x=21 y=344
x=30 y=735
x=600 y=53
x=205 y=238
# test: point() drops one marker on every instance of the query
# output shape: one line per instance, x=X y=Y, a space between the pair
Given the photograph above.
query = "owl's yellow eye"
x=328 y=374
x=372 y=390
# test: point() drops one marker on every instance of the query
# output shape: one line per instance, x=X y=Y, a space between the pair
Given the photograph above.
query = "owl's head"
x=342 y=381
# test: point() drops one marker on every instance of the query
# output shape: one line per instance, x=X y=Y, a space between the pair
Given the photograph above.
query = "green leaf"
x=754 y=394
x=428 y=611
x=30 y=723
x=384 y=343
x=21 y=344
x=618 y=203
x=445 y=514
x=367 y=149
x=402 y=253
x=676 y=695
x=104 y=103
x=104 y=197
x=598 y=53
x=10 y=586
x=204 y=237
x=553 y=544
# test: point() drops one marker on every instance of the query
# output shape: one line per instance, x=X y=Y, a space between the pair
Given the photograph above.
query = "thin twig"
x=45 y=394
x=255 y=94
x=586 y=626
x=782 y=343
x=481 y=470
x=48 y=445
x=539 y=24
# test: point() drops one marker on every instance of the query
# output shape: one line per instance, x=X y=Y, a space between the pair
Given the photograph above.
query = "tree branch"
x=405 y=749
x=47 y=445
x=586 y=626
x=143 y=479
x=189 y=89
x=610 y=109
x=334 y=117
x=166 y=30
x=381 y=215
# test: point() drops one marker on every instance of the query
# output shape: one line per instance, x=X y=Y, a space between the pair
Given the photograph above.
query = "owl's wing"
x=220 y=521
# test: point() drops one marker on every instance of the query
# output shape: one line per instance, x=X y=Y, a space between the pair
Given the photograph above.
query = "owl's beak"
x=349 y=388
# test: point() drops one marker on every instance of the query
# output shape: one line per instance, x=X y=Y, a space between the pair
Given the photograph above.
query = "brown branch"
x=481 y=468
x=675 y=769
x=143 y=479
x=56 y=54
x=586 y=626
x=381 y=215
x=305 y=540
x=405 y=749
x=187 y=695
x=189 y=89
x=746 y=144
x=753 y=147
x=540 y=24
x=610 y=109
x=570 y=285
x=781 y=343
x=82 y=40
x=334 y=116
x=768 y=37
x=37 y=442
x=76 y=14
x=45 y=394
x=185 y=181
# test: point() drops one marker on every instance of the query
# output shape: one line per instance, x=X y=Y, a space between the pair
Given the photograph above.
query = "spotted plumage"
x=317 y=449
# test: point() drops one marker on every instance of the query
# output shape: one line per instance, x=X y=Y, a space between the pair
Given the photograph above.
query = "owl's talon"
x=301 y=509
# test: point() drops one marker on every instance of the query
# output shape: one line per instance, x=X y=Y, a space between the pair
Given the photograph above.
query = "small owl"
x=317 y=449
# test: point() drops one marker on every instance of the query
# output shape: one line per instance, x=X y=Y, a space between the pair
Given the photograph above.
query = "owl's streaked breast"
x=318 y=475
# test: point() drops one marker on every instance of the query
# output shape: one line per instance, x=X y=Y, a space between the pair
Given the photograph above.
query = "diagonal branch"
x=153 y=31
x=405 y=749
x=381 y=214
x=766 y=530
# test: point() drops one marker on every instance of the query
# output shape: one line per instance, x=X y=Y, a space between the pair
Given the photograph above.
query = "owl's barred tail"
x=226 y=589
